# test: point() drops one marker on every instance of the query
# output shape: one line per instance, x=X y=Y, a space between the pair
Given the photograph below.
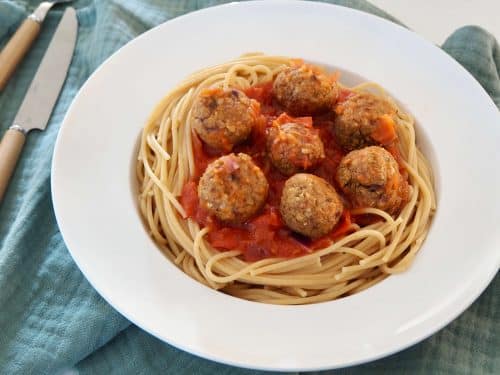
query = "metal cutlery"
x=41 y=97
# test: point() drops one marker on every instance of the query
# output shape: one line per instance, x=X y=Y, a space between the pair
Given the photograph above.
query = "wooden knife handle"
x=16 y=48
x=10 y=148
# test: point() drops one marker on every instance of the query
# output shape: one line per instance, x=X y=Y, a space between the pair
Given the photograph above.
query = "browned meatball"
x=310 y=205
x=223 y=118
x=294 y=147
x=303 y=91
x=233 y=188
x=370 y=178
x=364 y=120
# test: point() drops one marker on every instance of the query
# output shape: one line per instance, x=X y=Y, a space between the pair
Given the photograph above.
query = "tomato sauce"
x=266 y=235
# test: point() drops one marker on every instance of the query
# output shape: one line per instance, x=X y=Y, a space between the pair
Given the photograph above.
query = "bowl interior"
x=347 y=78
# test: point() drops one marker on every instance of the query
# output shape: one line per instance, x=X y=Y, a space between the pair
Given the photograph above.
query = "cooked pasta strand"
x=362 y=258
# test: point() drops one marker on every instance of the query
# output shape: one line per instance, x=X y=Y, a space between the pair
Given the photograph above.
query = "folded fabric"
x=50 y=316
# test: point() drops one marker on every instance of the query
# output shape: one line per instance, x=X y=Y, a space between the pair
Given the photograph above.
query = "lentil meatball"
x=223 y=118
x=359 y=119
x=310 y=205
x=294 y=147
x=303 y=91
x=370 y=178
x=233 y=188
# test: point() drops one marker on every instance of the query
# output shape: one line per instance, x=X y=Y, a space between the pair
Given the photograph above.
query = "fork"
x=19 y=44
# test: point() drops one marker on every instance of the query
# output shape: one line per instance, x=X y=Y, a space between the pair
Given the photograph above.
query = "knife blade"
x=37 y=106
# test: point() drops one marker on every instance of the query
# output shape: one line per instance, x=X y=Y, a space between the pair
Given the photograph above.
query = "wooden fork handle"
x=16 y=48
x=10 y=149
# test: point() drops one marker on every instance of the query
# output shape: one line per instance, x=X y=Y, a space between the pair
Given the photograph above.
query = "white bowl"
x=92 y=180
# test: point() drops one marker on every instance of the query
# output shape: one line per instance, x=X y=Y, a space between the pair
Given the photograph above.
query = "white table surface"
x=437 y=19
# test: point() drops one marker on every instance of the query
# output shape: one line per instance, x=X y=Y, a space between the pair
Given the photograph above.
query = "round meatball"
x=310 y=205
x=233 y=188
x=370 y=178
x=360 y=119
x=294 y=147
x=223 y=118
x=304 y=92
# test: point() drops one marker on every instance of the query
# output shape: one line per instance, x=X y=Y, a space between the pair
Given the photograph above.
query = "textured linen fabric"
x=50 y=316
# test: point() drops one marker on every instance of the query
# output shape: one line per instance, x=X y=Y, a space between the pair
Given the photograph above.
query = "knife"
x=41 y=97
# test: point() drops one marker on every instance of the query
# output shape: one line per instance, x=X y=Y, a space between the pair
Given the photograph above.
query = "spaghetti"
x=364 y=256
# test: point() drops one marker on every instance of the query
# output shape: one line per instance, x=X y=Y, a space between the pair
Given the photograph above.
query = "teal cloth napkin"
x=50 y=316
